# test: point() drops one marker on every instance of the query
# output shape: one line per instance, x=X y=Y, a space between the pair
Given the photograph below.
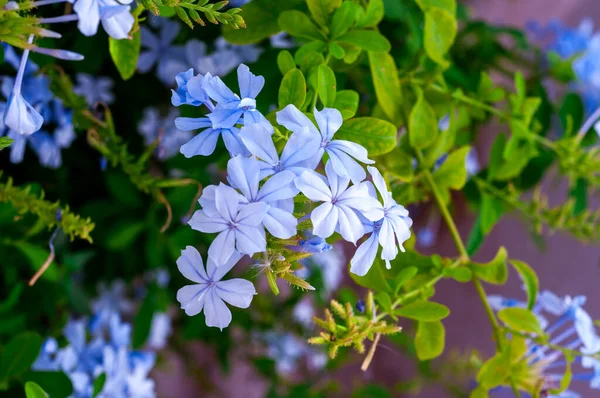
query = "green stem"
x=489 y=312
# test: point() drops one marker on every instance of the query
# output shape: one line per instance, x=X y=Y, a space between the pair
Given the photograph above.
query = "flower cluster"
x=32 y=114
x=568 y=325
x=171 y=59
x=107 y=353
x=263 y=182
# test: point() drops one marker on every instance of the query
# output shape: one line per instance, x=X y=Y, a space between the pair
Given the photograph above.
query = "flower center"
x=248 y=104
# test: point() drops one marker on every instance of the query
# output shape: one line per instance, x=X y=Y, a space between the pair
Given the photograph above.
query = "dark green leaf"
x=37 y=256
x=5 y=142
x=298 y=24
x=404 y=276
x=123 y=234
x=285 y=61
x=125 y=54
x=377 y=135
x=491 y=211
x=373 y=15
x=143 y=321
x=430 y=340
x=56 y=384
x=530 y=280
x=293 y=89
x=327 y=86
x=426 y=311
x=368 y=40
x=387 y=85
x=19 y=354
x=99 y=384
x=422 y=124
x=320 y=10
x=32 y=390
x=12 y=299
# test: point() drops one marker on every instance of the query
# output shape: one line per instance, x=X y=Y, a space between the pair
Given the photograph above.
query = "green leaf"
x=122 y=189
x=459 y=274
x=448 y=5
x=293 y=89
x=5 y=142
x=336 y=50
x=12 y=299
x=426 y=311
x=320 y=10
x=374 y=279
x=452 y=174
x=404 y=276
x=125 y=54
x=440 y=32
x=368 y=40
x=430 y=340
x=422 y=124
x=495 y=271
x=373 y=15
x=530 y=280
x=343 y=19
x=495 y=371
x=99 y=384
x=298 y=24
x=491 y=211
x=32 y=390
x=123 y=234
x=521 y=319
x=261 y=21
x=376 y=135
x=143 y=321
x=384 y=300
x=479 y=392
x=346 y=101
x=565 y=381
x=19 y=354
x=56 y=384
x=327 y=86
x=387 y=85
x=285 y=62
x=475 y=239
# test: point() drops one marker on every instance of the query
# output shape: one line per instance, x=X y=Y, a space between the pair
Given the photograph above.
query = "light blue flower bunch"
x=31 y=111
x=108 y=353
x=263 y=182
x=153 y=127
x=582 y=44
x=568 y=325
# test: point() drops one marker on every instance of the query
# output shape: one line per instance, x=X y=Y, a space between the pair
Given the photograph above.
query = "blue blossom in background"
x=281 y=40
x=190 y=90
x=210 y=292
x=159 y=50
x=160 y=330
x=94 y=89
x=116 y=19
x=343 y=155
x=296 y=156
x=108 y=352
x=244 y=174
x=567 y=324
x=339 y=211
x=225 y=57
x=315 y=244
x=239 y=225
x=287 y=350
x=230 y=107
x=389 y=230
x=152 y=127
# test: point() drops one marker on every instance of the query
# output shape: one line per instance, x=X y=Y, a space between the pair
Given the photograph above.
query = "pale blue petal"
x=300 y=147
x=329 y=121
x=17 y=148
x=250 y=84
x=192 y=123
x=337 y=182
x=223 y=247
x=258 y=139
x=280 y=186
x=346 y=166
x=207 y=201
x=227 y=201
x=349 y=224
x=324 y=219
x=203 y=223
x=196 y=90
x=88 y=12
x=353 y=149
x=216 y=312
x=119 y=25
x=252 y=214
x=237 y=292
x=20 y=116
x=203 y=144
x=233 y=143
x=313 y=187
x=250 y=240
x=280 y=223
x=253 y=116
x=225 y=117
x=168 y=32
x=191 y=266
x=243 y=174
x=292 y=119
x=387 y=240
x=364 y=257
x=218 y=271
x=218 y=91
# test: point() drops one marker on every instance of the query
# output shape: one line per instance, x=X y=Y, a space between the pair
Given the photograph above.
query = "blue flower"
x=160 y=329
x=300 y=148
x=210 y=293
x=315 y=244
x=223 y=59
x=390 y=230
x=239 y=225
x=244 y=174
x=342 y=154
x=230 y=107
x=153 y=127
x=190 y=90
x=116 y=18
x=204 y=144
x=94 y=89
x=339 y=212
x=159 y=50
